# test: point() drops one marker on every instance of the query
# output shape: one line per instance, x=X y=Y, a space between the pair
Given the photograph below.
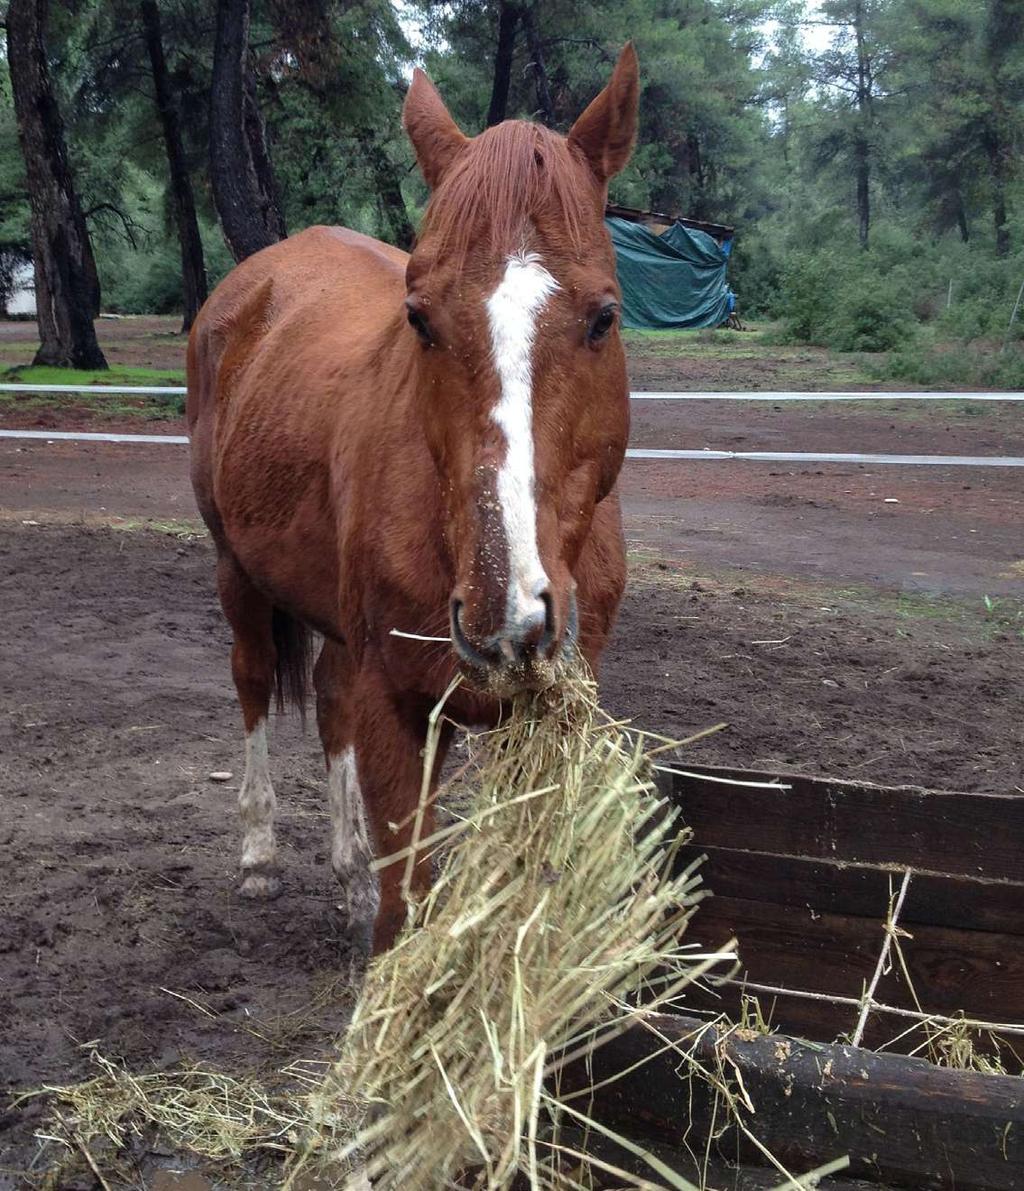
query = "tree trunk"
x=400 y=231
x=1004 y=30
x=193 y=267
x=545 y=106
x=508 y=19
x=862 y=146
x=67 y=287
x=961 y=219
x=244 y=189
x=862 y=171
x=997 y=178
x=259 y=151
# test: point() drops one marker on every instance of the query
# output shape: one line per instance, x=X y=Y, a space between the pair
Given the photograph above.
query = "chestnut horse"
x=425 y=443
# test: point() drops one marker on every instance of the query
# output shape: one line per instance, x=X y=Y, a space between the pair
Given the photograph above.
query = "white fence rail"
x=832 y=395
x=802 y=457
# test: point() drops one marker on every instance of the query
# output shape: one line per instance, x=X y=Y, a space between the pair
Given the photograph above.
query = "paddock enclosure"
x=835 y=617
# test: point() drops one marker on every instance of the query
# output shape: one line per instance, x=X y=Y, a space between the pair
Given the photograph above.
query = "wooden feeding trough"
x=871 y=921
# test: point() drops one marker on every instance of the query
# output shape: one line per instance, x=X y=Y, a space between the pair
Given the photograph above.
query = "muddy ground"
x=121 y=926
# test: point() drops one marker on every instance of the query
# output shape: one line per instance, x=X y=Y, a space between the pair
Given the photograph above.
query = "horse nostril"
x=530 y=636
x=550 y=628
x=535 y=632
x=469 y=652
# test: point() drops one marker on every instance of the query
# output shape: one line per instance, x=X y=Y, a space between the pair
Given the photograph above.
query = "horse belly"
x=279 y=523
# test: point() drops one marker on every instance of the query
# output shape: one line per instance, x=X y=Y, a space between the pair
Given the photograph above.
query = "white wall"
x=23 y=296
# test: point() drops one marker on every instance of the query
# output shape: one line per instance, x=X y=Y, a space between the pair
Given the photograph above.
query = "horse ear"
x=435 y=136
x=607 y=129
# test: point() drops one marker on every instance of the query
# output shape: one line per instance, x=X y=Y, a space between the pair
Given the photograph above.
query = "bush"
x=807 y=291
x=147 y=279
x=868 y=316
x=756 y=277
x=954 y=367
x=844 y=302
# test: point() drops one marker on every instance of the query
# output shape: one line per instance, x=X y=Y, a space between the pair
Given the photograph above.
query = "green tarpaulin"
x=669 y=281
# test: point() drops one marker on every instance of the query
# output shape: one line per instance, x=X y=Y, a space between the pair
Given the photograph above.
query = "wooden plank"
x=700 y=1170
x=826 y=886
x=970 y=835
x=798 y=1017
x=897 y=1118
x=825 y=1021
x=977 y=972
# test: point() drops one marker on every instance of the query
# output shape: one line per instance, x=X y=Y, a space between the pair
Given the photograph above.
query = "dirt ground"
x=833 y=630
x=121 y=925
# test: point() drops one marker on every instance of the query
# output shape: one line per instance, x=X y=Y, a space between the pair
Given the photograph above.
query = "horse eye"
x=602 y=323
x=420 y=325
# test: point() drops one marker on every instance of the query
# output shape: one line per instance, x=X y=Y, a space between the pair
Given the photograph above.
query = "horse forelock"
x=508 y=176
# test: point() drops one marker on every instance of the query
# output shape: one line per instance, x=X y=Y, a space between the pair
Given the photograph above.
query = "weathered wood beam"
x=901 y=1121
x=971 y=835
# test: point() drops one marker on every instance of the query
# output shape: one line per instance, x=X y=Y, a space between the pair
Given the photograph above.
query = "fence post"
x=1013 y=318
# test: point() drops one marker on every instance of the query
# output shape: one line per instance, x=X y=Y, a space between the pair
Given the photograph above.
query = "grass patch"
x=173 y=528
x=953 y=364
x=927 y=359
x=761 y=360
x=982 y=616
x=117 y=374
x=99 y=405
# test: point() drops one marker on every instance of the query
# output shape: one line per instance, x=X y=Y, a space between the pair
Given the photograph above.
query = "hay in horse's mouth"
x=556 y=908
x=504 y=682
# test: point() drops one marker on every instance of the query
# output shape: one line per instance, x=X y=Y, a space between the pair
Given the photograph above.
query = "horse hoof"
x=360 y=892
x=260 y=886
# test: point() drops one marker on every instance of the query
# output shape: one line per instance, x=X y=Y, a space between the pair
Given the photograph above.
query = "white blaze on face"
x=513 y=310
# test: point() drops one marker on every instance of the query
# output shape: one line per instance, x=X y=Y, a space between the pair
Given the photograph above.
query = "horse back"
x=321 y=267
x=276 y=363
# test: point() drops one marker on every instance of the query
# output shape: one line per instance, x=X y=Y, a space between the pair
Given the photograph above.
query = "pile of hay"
x=556 y=911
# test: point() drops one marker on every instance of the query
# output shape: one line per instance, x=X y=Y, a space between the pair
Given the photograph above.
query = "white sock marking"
x=350 y=847
x=257 y=802
x=512 y=311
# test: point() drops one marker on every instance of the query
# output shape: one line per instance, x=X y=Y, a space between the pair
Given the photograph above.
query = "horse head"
x=521 y=375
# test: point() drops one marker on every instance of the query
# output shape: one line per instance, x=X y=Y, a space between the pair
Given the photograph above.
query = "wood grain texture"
x=900 y=1120
x=970 y=835
x=836 y=887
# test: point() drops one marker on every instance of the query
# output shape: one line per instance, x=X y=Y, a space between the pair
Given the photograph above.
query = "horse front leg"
x=351 y=849
x=389 y=741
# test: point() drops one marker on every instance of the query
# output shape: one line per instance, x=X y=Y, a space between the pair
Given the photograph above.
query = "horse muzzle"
x=522 y=654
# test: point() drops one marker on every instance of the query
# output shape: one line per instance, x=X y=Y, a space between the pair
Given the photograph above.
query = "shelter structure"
x=672 y=270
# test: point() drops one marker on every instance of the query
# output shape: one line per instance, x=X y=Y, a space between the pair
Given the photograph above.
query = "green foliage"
x=741 y=122
x=846 y=302
x=870 y=316
x=950 y=366
x=14 y=209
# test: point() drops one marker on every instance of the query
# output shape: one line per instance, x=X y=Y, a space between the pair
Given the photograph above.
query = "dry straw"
x=560 y=909
x=560 y=906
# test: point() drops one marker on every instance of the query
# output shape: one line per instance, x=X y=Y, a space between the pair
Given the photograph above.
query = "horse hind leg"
x=351 y=850
x=253 y=658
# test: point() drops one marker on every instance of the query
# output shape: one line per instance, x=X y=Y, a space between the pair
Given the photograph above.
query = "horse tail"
x=293 y=642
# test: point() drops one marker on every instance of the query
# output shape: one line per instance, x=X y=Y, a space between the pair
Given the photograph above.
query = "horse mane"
x=502 y=179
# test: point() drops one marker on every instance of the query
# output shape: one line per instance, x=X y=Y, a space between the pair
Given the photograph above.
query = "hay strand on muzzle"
x=557 y=909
